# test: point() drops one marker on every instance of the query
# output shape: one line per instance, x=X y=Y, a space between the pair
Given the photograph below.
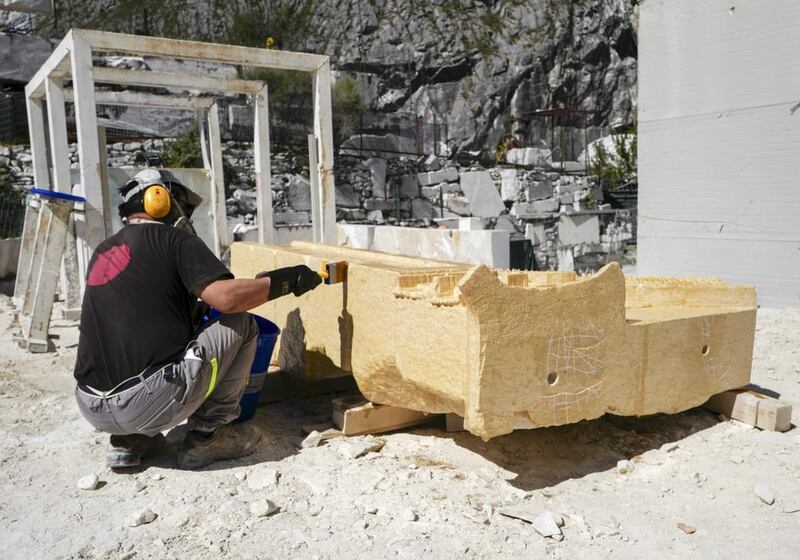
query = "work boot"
x=227 y=442
x=128 y=451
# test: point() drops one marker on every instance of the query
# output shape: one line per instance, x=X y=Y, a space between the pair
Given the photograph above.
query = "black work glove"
x=293 y=279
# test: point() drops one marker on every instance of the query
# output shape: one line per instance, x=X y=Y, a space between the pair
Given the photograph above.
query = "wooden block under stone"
x=453 y=422
x=356 y=416
x=738 y=404
x=774 y=415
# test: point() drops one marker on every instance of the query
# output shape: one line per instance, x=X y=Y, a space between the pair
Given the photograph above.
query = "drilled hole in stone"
x=704 y=351
x=552 y=377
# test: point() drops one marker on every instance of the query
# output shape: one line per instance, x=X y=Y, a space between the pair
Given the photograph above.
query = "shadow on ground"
x=540 y=458
x=547 y=456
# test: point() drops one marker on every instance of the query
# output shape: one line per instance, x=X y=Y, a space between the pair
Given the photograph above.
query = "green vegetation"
x=616 y=168
x=347 y=106
x=184 y=151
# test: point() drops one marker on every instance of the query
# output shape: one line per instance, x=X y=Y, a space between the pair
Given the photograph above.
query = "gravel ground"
x=426 y=493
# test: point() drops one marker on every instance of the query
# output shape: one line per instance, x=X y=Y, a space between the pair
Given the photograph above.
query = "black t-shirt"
x=138 y=304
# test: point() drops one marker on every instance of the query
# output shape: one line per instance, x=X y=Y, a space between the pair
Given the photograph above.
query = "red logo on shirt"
x=108 y=264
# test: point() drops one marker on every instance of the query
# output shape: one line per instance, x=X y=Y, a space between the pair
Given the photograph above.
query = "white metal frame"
x=72 y=60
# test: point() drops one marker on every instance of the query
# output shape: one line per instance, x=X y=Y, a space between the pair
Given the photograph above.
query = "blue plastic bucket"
x=267 y=336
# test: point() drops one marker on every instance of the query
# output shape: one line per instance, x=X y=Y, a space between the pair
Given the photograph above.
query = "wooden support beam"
x=263 y=171
x=323 y=131
x=196 y=50
x=41 y=179
x=752 y=408
x=217 y=183
x=142 y=99
x=356 y=416
x=46 y=279
x=184 y=82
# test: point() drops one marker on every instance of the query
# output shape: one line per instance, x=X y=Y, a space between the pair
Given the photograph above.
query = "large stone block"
x=539 y=190
x=528 y=156
x=346 y=196
x=377 y=171
x=447 y=175
x=510 y=186
x=298 y=193
x=577 y=229
x=484 y=200
x=422 y=209
x=440 y=337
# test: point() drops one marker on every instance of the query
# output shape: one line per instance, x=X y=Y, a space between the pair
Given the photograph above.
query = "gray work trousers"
x=205 y=386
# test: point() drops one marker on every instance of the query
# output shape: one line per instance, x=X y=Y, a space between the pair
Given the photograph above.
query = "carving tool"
x=333 y=273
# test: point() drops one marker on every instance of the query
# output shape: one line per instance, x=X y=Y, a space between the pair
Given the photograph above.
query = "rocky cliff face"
x=478 y=66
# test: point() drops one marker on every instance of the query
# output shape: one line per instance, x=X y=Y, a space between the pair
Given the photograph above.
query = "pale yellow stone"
x=505 y=349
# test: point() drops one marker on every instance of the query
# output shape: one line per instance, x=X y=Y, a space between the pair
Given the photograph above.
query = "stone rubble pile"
x=563 y=216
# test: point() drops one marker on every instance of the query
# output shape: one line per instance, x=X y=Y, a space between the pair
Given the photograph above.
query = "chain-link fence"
x=12 y=214
x=13 y=119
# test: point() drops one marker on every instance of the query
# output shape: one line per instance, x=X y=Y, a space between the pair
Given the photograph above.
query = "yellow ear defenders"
x=157 y=201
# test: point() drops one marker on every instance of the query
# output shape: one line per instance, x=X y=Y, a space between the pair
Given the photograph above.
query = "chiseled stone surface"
x=509 y=349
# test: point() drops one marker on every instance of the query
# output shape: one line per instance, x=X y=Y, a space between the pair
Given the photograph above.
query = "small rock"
x=315 y=438
x=669 y=447
x=142 y=518
x=157 y=476
x=89 y=482
x=262 y=508
x=625 y=467
x=546 y=526
x=241 y=476
x=353 y=448
x=138 y=486
x=688 y=529
x=372 y=510
x=409 y=515
x=764 y=493
x=262 y=478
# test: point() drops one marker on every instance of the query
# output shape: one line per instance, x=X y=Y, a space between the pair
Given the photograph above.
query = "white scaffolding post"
x=47 y=218
x=262 y=167
x=91 y=226
x=323 y=130
x=217 y=183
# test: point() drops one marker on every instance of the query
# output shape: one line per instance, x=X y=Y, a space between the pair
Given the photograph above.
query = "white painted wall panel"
x=700 y=56
x=719 y=143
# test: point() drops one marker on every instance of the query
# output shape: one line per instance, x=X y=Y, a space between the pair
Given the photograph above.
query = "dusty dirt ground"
x=426 y=494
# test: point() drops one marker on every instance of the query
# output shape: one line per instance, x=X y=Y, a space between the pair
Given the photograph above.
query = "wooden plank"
x=185 y=82
x=62 y=182
x=26 y=252
x=262 y=168
x=453 y=422
x=356 y=416
x=323 y=130
x=217 y=183
x=774 y=415
x=46 y=278
x=739 y=404
x=752 y=408
x=196 y=50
